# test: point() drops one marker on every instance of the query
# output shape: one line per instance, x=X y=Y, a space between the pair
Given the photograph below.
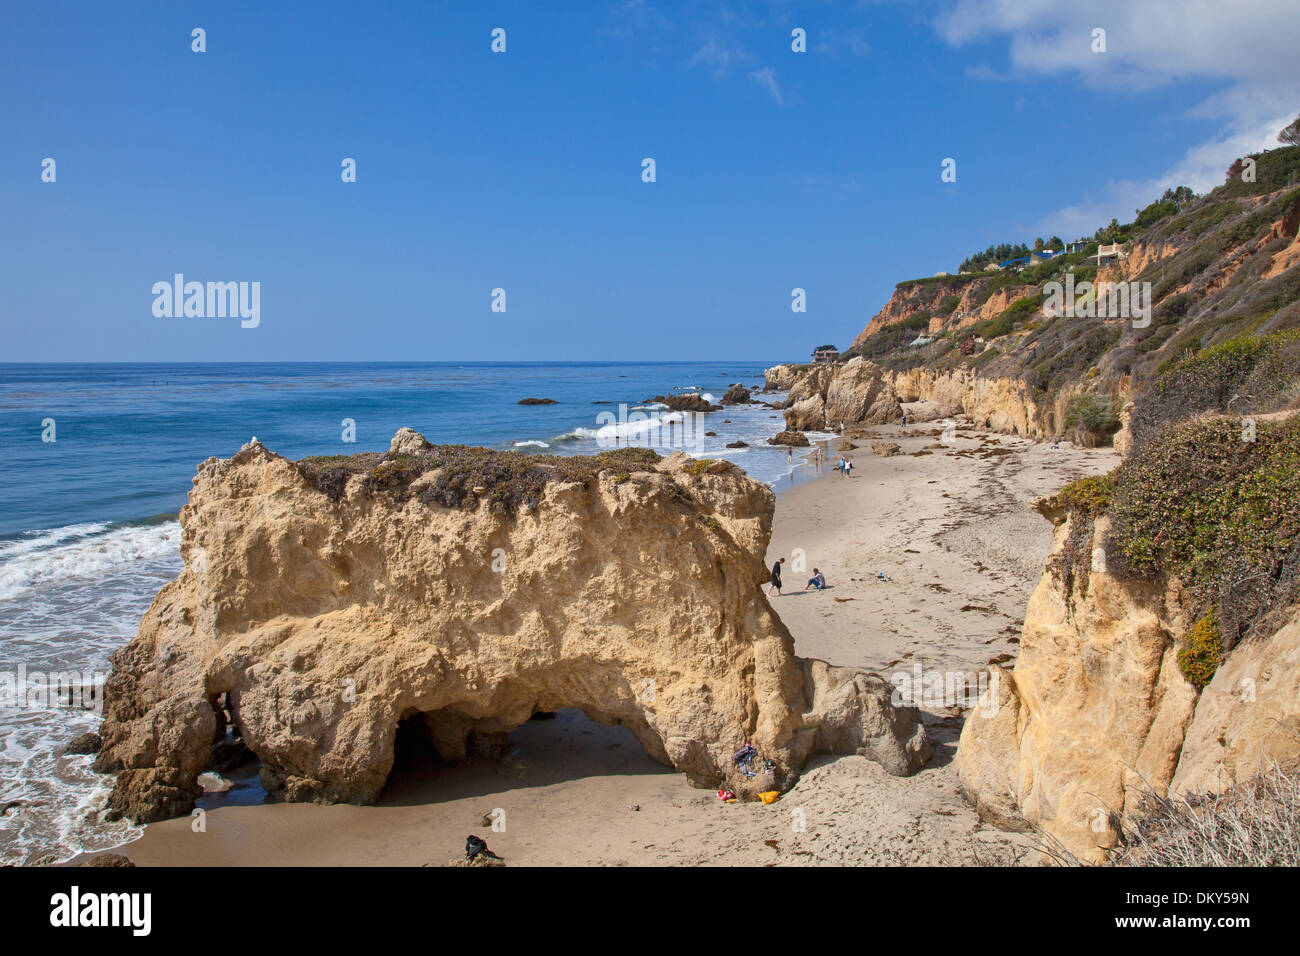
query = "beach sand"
x=949 y=527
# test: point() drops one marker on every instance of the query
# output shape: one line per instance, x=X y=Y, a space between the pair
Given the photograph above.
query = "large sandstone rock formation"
x=1097 y=709
x=781 y=378
x=826 y=395
x=862 y=393
x=324 y=604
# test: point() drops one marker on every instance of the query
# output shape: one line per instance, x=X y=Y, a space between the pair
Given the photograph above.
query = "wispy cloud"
x=718 y=56
x=766 y=78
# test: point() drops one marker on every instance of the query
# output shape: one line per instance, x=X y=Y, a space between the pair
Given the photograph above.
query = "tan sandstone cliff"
x=860 y=392
x=324 y=607
x=1097 y=709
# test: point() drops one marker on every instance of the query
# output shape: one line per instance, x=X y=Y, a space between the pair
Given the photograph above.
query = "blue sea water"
x=88 y=530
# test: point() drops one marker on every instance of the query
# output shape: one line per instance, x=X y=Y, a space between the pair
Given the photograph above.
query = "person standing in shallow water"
x=776 y=578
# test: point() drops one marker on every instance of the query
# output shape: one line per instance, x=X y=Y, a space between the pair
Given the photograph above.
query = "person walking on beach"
x=776 y=578
x=848 y=468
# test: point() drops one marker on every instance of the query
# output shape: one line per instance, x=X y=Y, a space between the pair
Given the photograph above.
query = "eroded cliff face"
x=998 y=404
x=323 y=619
x=1097 y=709
x=973 y=304
x=860 y=392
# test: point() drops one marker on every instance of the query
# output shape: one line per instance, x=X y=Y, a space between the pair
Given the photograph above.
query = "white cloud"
x=1247 y=45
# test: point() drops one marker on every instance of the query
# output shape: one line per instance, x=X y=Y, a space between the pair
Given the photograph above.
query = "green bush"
x=1203 y=501
x=1273 y=170
x=1093 y=416
x=1088 y=496
x=1200 y=658
x=947 y=305
x=1250 y=372
x=1082 y=500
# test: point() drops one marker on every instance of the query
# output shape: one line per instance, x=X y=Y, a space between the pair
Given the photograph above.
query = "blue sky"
x=522 y=170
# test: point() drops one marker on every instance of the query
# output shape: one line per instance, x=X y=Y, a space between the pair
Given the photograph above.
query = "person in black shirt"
x=776 y=578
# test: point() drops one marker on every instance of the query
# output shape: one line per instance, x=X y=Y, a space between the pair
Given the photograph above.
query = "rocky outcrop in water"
x=324 y=602
x=688 y=402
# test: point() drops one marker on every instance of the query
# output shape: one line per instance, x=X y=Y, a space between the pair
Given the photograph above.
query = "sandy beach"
x=949 y=528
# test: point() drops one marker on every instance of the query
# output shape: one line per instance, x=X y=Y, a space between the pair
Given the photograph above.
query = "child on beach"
x=776 y=578
x=817 y=581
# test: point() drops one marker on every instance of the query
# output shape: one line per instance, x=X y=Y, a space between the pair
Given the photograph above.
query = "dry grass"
x=1255 y=823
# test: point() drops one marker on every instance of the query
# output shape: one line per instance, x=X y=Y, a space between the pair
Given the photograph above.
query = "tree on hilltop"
x=1290 y=135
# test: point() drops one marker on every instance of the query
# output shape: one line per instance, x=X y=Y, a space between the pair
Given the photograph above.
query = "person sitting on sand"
x=817 y=581
x=776 y=578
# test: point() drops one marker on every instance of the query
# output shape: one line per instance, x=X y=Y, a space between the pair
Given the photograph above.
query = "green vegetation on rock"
x=1200 y=658
x=507 y=479
x=1217 y=506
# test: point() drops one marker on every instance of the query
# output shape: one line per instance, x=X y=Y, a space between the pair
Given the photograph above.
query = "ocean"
x=98 y=458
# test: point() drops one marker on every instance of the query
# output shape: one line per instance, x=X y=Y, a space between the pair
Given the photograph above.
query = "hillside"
x=1219 y=266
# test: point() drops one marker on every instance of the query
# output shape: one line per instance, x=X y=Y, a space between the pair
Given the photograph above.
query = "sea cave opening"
x=431 y=763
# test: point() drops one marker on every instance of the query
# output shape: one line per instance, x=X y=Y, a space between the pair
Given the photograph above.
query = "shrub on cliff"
x=463 y=473
x=1246 y=374
x=1021 y=310
x=1200 y=658
x=947 y=305
x=1082 y=500
x=1064 y=349
x=1273 y=170
x=1204 y=502
x=1088 y=496
x=1092 y=418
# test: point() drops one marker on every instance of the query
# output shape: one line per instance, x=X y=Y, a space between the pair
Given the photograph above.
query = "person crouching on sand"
x=776 y=578
x=817 y=581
